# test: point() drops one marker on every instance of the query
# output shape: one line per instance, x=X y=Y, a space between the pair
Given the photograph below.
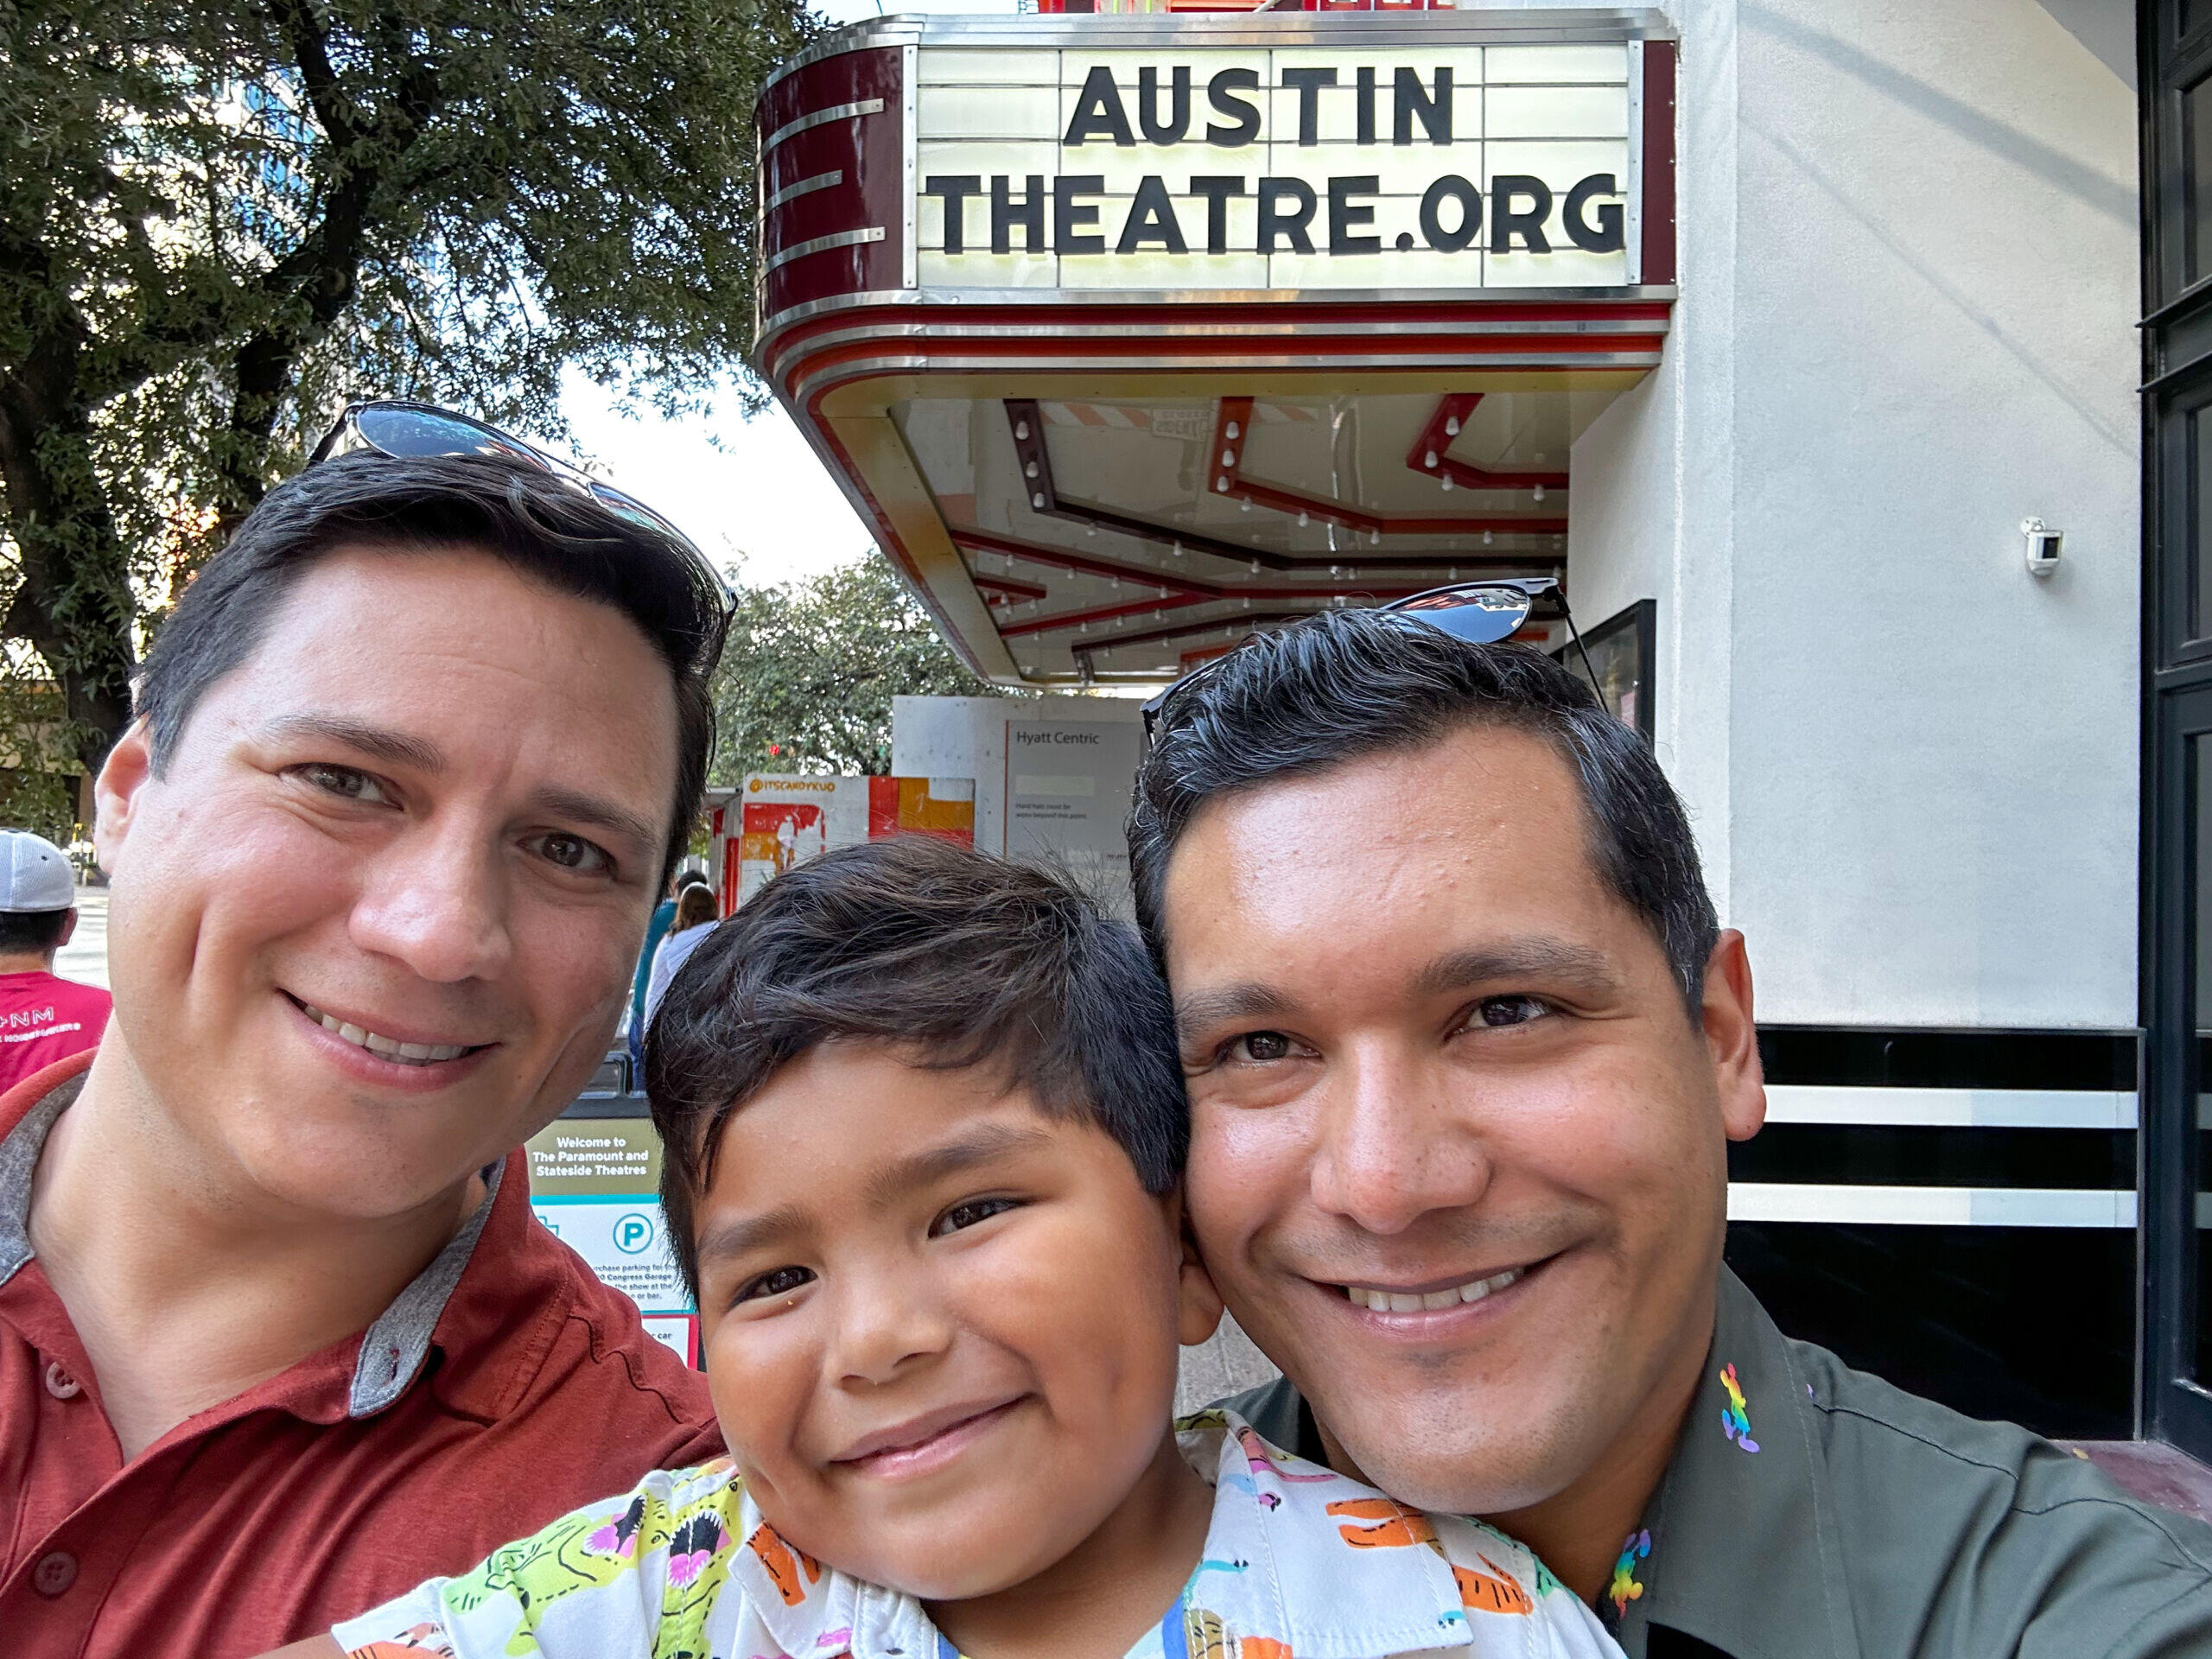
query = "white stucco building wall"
x=1908 y=287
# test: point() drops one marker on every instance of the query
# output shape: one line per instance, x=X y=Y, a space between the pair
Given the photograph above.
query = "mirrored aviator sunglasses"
x=1479 y=612
x=411 y=431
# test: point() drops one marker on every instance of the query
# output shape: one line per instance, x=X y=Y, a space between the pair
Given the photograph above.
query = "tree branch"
x=319 y=276
x=326 y=95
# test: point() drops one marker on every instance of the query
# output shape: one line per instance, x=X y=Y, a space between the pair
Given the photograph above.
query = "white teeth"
x=390 y=1048
x=1393 y=1301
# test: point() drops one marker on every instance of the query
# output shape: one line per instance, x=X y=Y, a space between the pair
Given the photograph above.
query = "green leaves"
x=220 y=219
x=811 y=668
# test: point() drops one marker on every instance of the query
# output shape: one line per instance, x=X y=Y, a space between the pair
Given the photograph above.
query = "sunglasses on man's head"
x=1480 y=612
x=411 y=431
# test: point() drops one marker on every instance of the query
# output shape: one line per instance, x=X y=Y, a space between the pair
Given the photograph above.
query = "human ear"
x=1731 y=1037
x=1198 y=1304
x=126 y=770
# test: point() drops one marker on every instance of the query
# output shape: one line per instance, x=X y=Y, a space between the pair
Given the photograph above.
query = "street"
x=85 y=957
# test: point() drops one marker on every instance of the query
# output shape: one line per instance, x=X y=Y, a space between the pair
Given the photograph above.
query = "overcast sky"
x=761 y=495
x=761 y=500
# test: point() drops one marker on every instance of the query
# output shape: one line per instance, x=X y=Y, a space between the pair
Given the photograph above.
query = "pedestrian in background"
x=43 y=1017
x=642 y=996
x=695 y=916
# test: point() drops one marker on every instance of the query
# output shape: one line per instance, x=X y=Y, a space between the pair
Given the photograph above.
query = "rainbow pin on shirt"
x=1735 y=1423
x=1625 y=1588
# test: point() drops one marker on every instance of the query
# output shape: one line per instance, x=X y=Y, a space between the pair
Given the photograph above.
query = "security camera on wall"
x=2043 y=546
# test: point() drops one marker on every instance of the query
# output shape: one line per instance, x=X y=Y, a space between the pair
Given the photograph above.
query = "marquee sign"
x=1292 y=154
x=1335 y=167
x=1124 y=333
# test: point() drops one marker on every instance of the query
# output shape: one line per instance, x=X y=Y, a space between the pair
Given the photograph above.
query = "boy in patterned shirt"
x=924 y=1126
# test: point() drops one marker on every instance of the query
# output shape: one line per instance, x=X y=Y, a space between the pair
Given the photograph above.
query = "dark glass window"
x=2200 y=801
x=2200 y=494
x=2197 y=163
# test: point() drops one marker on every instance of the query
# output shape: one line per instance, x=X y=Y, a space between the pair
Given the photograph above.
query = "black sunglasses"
x=1480 y=612
x=409 y=431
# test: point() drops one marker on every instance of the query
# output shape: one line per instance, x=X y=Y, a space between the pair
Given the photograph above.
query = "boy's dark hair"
x=542 y=527
x=25 y=930
x=1344 y=685
x=964 y=958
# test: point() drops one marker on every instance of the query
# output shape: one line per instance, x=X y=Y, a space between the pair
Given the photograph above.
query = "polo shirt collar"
x=1251 y=1576
x=1739 y=1546
x=394 y=1348
x=19 y=1164
x=392 y=1351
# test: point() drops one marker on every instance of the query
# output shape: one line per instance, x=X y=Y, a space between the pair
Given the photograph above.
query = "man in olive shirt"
x=1465 y=1048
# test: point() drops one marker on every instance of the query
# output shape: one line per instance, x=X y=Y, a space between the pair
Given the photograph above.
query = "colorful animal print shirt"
x=1299 y=1563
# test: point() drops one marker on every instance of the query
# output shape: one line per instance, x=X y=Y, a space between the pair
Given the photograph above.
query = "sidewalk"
x=85 y=957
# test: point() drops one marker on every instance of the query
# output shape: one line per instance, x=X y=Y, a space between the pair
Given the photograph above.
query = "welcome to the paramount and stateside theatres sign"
x=1309 y=167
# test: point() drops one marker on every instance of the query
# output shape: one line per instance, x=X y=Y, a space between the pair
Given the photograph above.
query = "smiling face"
x=1457 y=1158
x=373 y=924
x=941 y=1326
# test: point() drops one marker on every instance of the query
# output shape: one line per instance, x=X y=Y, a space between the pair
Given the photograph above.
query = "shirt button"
x=54 y=1574
x=60 y=1384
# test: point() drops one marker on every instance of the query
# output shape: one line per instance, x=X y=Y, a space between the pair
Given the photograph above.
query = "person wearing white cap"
x=44 y=1018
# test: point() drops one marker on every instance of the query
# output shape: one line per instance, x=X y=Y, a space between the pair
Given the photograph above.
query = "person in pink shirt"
x=43 y=1017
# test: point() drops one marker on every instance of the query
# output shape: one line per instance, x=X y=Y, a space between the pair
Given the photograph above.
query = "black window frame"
x=2177 y=656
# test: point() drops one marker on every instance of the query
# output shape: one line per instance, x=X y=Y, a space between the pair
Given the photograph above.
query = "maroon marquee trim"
x=1659 y=162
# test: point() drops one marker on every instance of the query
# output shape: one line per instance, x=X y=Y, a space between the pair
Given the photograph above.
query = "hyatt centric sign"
x=1308 y=166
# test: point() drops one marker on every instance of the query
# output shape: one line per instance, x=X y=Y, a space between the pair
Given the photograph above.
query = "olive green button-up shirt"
x=1812 y=1511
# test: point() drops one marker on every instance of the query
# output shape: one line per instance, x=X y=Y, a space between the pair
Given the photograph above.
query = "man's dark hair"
x=1344 y=685
x=960 y=958
x=22 y=931
x=553 y=533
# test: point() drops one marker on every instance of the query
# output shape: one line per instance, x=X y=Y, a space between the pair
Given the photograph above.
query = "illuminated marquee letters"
x=1340 y=160
x=1288 y=206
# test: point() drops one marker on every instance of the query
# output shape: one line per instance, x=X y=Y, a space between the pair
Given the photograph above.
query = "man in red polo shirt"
x=279 y=1337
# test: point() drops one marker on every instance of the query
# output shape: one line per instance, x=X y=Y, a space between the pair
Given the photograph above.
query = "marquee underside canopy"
x=1086 y=484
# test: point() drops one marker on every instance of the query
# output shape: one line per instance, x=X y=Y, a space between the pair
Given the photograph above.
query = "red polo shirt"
x=503 y=1387
x=45 y=1019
